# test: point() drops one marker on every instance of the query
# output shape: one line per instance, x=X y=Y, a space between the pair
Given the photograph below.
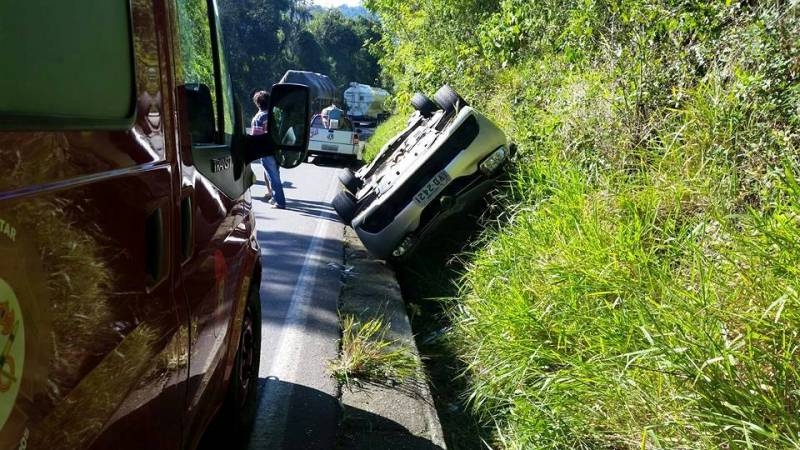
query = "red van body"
x=129 y=265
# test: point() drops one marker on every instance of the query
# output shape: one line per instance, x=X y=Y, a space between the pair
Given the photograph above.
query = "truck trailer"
x=366 y=105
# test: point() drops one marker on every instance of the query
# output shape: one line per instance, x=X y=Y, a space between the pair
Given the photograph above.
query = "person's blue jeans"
x=274 y=178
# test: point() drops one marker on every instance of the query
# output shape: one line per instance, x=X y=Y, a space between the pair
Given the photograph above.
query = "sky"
x=332 y=3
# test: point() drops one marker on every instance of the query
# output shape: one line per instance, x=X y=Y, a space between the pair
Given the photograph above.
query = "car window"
x=344 y=123
x=71 y=63
x=226 y=84
x=316 y=122
x=196 y=59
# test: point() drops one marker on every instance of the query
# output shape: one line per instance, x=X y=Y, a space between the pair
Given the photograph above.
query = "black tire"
x=345 y=205
x=349 y=181
x=423 y=104
x=241 y=402
x=449 y=99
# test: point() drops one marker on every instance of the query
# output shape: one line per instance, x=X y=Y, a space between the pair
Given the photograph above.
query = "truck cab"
x=129 y=265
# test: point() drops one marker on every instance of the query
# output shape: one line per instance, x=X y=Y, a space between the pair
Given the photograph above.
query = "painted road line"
x=271 y=423
x=284 y=365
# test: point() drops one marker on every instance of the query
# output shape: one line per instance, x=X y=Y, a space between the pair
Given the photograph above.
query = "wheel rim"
x=247 y=357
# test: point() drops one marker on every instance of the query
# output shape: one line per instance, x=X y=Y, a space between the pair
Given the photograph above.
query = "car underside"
x=448 y=156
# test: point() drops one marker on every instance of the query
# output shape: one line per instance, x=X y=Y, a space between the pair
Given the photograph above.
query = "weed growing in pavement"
x=368 y=356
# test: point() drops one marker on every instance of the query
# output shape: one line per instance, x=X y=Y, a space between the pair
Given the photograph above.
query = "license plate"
x=330 y=148
x=432 y=188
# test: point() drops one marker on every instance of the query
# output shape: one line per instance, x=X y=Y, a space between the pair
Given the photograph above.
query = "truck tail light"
x=355 y=138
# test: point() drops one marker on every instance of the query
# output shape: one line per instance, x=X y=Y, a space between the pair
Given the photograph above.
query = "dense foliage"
x=265 y=38
x=643 y=290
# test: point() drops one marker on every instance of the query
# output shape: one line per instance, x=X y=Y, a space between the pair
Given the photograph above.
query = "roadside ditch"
x=429 y=283
x=383 y=404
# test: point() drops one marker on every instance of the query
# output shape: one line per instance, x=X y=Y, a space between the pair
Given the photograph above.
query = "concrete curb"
x=381 y=416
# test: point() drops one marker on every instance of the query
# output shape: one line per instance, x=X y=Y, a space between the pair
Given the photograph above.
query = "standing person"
x=274 y=184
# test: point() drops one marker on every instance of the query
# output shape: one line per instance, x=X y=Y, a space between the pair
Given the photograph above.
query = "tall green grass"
x=642 y=291
x=605 y=319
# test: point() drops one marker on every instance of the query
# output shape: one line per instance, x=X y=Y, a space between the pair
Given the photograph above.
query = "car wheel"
x=242 y=399
x=349 y=181
x=423 y=104
x=345 y=205
x=449 y=99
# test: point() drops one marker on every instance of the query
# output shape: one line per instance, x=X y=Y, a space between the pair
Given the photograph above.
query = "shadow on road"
x=303 y=423
x=323 y=161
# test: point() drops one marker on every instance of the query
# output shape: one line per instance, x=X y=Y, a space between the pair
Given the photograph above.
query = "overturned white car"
x=448 y=156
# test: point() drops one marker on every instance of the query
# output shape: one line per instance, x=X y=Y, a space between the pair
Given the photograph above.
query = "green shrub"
x=642 y=292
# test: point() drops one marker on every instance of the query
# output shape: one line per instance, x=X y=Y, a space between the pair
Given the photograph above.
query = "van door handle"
x=154 y=247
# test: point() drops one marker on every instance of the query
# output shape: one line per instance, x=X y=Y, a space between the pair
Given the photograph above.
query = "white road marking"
x=281 y=373
x=284 y=363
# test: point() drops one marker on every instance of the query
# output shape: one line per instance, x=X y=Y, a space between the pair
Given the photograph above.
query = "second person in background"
x=275 y=194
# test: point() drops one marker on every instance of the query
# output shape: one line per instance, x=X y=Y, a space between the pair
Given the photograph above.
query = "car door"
x=219 y=253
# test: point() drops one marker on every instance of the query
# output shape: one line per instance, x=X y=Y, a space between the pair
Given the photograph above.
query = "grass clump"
x=367 y=355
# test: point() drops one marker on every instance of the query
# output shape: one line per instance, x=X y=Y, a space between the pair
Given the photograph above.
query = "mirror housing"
x=200 y=111
x=288 y=127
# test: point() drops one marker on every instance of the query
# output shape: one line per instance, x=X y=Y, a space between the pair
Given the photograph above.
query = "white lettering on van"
x=23 y=443
x=8 y=230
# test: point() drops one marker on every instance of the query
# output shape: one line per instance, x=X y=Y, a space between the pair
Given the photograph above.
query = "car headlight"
x=493 y=161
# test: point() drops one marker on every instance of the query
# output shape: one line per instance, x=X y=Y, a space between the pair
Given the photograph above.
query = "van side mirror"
x=287 y=134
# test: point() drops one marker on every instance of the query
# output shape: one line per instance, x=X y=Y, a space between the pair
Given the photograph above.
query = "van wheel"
x=349 y=181
x=345 y=205
x=241 y=402
x=449 y=99
x=423 y=104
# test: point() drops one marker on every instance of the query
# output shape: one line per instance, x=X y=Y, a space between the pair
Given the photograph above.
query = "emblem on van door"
x=12 y=350
x=221 y=164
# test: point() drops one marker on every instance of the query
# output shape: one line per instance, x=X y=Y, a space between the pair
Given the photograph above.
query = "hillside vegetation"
x=642 y=291
x=265 y=38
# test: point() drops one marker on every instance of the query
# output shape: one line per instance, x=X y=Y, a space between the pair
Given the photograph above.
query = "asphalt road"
x=301 y=254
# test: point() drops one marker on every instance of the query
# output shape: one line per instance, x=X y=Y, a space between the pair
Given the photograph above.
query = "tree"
x=265 y=38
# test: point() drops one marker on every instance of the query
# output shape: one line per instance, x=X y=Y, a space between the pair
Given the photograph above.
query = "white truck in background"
x=335 y=138
x=366 y=105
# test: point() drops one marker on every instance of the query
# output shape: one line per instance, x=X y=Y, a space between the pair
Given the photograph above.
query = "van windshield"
x=69 y=61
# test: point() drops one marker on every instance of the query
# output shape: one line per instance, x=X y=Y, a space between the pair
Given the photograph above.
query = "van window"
x=225 y=82
x=70 y=62
x=197 y=62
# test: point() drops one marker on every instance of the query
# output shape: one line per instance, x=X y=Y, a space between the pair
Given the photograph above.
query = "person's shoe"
x=274 y=205
x=267 y=197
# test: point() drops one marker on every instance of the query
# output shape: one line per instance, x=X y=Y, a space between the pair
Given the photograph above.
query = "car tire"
x=350 y=181
x=241 y=402
x=448 y=99
x=345 y=205
x=423 y=104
